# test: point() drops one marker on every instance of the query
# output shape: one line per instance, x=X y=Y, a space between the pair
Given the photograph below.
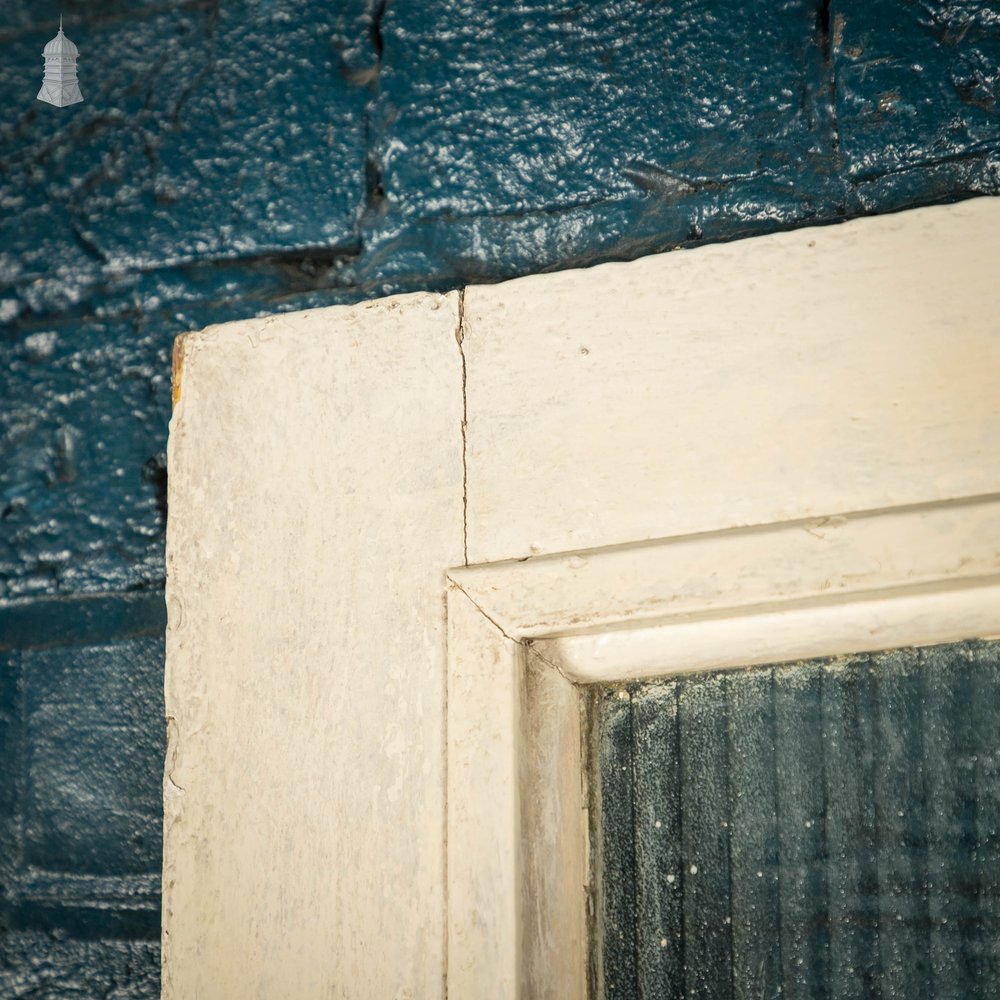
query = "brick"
x=38 y=965
x=519 y=137
x=917 y=88
x=206 y=131
x=95 y=745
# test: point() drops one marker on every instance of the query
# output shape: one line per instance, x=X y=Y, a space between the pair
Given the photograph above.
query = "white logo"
x=59 y=85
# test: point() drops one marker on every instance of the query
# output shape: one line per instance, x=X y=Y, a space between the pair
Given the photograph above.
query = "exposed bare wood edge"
x=184 y=346
x=177 y=368
x=863 y=622
x=736 y=571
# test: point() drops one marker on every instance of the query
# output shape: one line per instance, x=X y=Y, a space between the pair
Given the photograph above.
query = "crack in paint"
x=173 y=738
x=483 y=612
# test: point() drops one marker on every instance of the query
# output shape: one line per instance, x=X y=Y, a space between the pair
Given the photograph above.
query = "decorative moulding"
x=526 y=638
x=775 y=448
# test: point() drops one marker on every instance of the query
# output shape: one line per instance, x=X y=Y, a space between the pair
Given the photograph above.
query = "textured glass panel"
x=825 y=829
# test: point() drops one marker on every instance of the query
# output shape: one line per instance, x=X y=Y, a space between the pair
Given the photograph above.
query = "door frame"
x=780 y=447
x=526 y=638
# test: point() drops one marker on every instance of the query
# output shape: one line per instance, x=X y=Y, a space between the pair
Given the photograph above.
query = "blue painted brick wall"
x=81 y=746
x=233 y=159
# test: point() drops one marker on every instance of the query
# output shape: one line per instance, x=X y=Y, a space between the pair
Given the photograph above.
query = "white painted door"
x=402 y=534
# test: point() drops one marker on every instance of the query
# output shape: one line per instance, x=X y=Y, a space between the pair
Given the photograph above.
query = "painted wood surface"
x=485 y=694
x=502 y=754
x=553 y=826
x=305 y=684
x=732 y=572
x=327 y=468
x=845 y=368
x=518 y=851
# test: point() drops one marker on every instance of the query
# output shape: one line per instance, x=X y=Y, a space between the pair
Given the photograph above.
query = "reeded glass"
x=824 y=829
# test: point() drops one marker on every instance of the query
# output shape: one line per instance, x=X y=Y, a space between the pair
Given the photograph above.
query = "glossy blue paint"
x=237 y=159
x=81 y=750
x=520 y=137
x=917 y=85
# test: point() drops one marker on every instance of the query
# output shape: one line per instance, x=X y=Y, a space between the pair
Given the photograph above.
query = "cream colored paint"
x=721 y=573
x=845 y=368
x=315 y=502
x=849 y=623
x=485 y=680
x=319 y=492
x=844 y=583
x=517 y=818
x=555 y=849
